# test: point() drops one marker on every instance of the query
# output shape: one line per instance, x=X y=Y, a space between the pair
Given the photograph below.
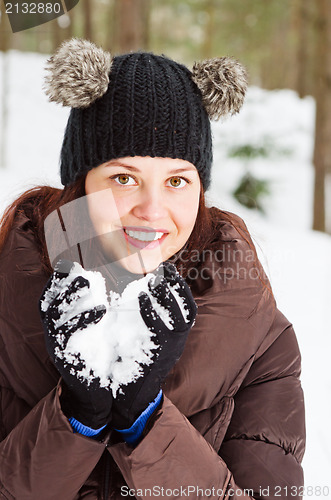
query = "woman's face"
x=135 y=199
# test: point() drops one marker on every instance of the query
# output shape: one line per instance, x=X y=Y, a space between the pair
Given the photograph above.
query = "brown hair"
x=37 y=203
x=206 y=236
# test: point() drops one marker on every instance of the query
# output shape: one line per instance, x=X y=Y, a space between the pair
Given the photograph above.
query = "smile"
x=143 y=236
x=147 y=239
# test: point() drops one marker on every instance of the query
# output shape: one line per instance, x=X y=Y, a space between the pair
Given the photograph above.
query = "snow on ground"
x=297 y=259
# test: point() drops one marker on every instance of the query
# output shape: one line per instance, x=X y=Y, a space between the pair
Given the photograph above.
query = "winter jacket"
x=232 y=418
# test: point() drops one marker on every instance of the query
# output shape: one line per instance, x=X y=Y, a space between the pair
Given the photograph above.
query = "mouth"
x=145 y=237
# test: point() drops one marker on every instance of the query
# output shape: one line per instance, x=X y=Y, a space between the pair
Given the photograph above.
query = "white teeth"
x=143 y=236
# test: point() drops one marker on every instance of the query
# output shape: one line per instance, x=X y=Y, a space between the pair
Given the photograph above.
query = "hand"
x=170 y=337
x=86 y=401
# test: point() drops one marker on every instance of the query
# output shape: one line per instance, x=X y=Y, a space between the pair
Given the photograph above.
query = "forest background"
x=280 y=135
x=284 y=44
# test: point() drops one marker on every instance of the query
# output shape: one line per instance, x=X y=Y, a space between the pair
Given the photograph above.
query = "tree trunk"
x=56 y=34
x=130 y=25
x=207 y=47
x=322 y=150
x=301 y=28
x=5 y=38
x=62 y=28
x=87 y=19
x=68 y=32
x=328 y=203
x=146 y=9
x=4 y=108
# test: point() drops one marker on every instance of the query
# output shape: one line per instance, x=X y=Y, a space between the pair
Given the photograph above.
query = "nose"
x=151 y=205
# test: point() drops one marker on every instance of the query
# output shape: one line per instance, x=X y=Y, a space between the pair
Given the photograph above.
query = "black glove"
x=136 y=396
x=89 y=403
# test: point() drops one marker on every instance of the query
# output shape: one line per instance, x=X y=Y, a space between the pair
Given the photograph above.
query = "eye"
x=177 y=182
x=122 y=179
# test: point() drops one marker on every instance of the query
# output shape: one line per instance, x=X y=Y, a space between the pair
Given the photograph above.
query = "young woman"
x=217 y=410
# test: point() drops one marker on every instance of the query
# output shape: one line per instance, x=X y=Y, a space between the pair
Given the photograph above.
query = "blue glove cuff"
x=133 y=434
x=83 y=429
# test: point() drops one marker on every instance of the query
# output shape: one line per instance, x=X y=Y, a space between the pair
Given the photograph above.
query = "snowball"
x=115 y=349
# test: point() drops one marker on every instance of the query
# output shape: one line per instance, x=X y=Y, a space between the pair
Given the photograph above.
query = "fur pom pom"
x=223 y=83
x=78 y=73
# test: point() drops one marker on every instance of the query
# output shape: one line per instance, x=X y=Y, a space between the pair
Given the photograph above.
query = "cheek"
x=103 y=209
x=123 y=205
x=185 y=215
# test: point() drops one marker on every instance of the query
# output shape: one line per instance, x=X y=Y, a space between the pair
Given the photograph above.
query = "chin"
x=142 y=265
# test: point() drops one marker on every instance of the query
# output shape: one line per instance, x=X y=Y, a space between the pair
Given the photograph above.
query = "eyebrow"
x=135 y=169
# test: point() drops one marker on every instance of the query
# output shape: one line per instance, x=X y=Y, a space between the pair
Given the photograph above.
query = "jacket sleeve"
x=265 y=441
x=258 y=458
x=42 y=457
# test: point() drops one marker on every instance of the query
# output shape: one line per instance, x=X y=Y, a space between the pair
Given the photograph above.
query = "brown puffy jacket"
x=233 y=413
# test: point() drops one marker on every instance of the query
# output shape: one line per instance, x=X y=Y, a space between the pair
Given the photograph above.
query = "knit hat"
x=139 y=104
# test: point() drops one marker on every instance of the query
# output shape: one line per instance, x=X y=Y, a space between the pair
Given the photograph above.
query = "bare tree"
x=301 y=27
x=56 y=36
x=145 y=15
x=87 y=19
x=130 y=25
x=207 y=45
x=5 y=38
x=67 y=31
x=61 y=28
x=322 y=149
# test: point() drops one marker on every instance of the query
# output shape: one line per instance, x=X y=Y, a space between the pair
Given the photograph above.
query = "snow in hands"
x=114 y=349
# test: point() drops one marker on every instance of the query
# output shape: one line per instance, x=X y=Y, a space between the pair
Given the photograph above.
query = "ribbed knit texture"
x=134 y=433
x=83 y=429
x=152 y=108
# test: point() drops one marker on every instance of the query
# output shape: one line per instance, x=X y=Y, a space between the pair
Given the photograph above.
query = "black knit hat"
x=138 y=104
